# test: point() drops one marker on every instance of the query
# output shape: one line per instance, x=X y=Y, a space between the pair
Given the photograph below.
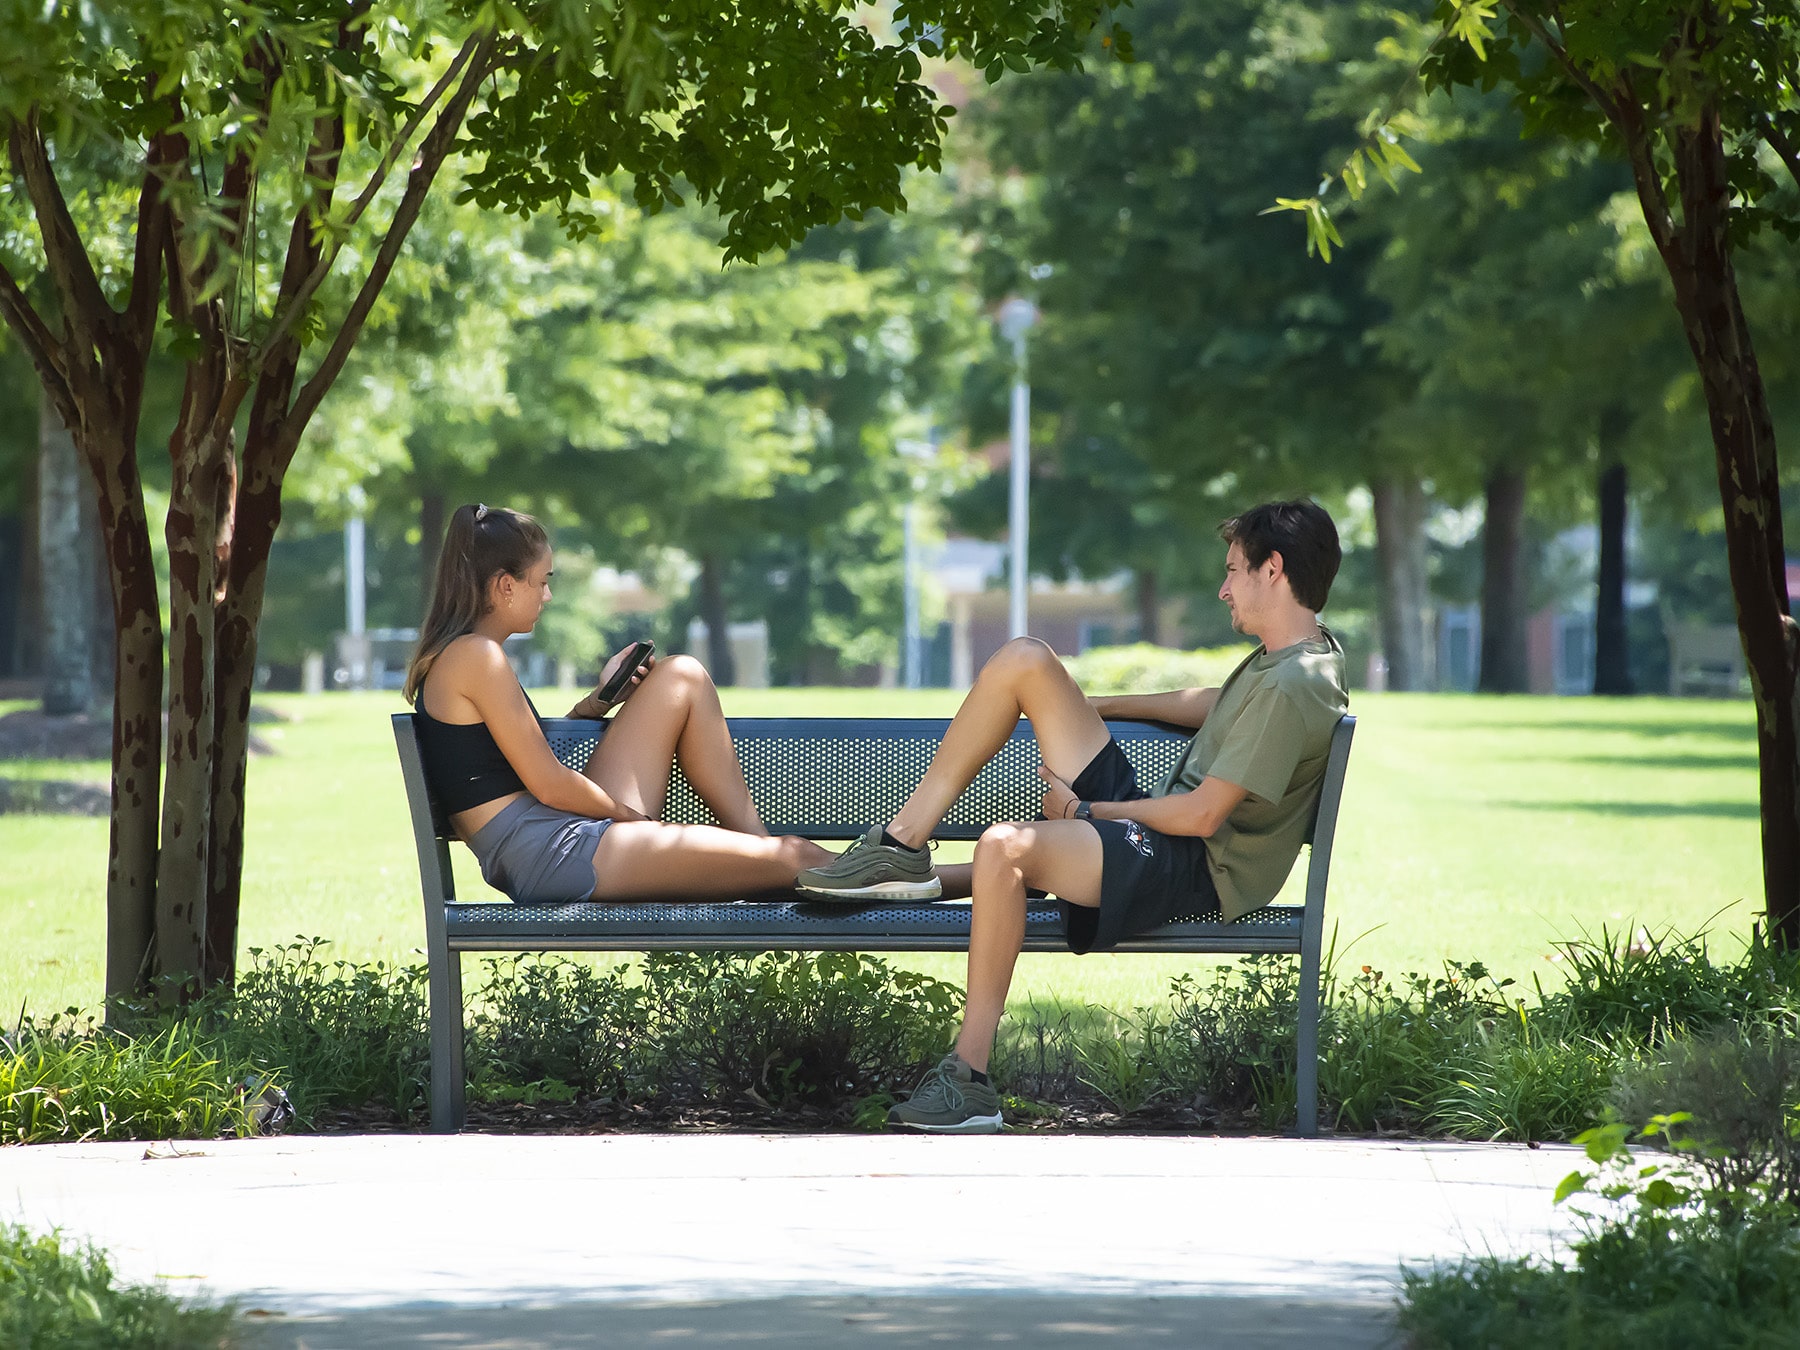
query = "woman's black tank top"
x=463 y=766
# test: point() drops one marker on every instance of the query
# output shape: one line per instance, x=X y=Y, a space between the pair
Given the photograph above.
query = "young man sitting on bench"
x=1222 y=831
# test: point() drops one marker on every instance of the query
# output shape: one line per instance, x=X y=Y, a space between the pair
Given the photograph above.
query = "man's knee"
x=1008 y=843
x=1021 y=658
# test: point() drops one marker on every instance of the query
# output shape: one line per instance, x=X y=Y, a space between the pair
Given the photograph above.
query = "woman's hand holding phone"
x=620 y=676
x=624 y=671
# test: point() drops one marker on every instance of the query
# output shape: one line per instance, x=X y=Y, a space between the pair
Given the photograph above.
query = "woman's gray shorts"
x=536 y=854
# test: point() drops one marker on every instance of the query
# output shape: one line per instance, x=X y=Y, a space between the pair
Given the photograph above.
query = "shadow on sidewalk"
x=1024 y=1320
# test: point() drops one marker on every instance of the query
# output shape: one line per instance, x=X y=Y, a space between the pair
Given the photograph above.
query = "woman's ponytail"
x=481 y=542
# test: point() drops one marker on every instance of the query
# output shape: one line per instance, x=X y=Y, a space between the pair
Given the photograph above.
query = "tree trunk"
x=28 y=643
x=1698 y=256
x=1503 y=651
x=1612 y=651
x=718 y=628
x=201 y=497
x=137 y=720
x=433 y=517
x=1149 y=607
x=66 y=529
x=257 y=514
x=1401 y=560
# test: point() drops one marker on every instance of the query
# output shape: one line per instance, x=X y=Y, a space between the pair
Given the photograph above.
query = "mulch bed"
x=609 y=1117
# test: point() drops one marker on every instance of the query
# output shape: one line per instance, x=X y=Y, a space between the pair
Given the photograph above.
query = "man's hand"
x=1059 y=797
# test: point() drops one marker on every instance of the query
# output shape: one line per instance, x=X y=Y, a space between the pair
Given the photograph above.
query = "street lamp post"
x=1016 y=319
x=356 y=648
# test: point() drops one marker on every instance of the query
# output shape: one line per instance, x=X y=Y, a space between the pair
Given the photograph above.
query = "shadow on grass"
x=1647 y=810
x=1718 y=730
x=1673 y=762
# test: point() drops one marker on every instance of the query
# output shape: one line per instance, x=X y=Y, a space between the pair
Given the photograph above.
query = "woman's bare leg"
x=1022 y=679
x=674 y=716
x=646 y=859
x=1063 y=856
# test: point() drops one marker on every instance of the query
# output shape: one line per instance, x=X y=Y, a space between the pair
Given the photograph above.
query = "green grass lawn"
x=1473 y=829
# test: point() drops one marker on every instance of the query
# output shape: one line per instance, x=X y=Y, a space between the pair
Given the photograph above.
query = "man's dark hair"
x=1302 y=533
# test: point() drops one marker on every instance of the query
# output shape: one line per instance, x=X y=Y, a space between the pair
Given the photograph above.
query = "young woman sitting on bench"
x=542 y=831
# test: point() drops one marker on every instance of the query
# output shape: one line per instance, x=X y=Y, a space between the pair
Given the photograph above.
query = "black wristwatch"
x=1083 y=811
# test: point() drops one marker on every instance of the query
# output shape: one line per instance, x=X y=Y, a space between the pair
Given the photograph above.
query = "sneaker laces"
x=938 y=1090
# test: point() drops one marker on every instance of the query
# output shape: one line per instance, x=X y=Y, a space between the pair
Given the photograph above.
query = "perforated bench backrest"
x=831 y=777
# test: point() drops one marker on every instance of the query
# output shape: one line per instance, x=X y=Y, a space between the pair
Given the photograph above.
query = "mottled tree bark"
x=66 y=535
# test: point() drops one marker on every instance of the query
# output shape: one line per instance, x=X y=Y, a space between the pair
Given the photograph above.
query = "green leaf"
x=1569 y=1185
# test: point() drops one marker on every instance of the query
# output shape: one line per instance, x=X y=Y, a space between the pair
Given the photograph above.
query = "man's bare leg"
x=1063 y=856
x=1022 y=679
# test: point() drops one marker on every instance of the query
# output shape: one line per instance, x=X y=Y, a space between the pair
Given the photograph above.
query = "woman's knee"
x=679 y=674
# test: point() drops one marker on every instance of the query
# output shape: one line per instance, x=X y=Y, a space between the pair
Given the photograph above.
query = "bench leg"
x=1306 y=1048
x=446 y=1043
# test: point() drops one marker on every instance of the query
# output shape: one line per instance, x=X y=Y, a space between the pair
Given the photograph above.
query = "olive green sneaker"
x=948 y=1100
x=872 y=870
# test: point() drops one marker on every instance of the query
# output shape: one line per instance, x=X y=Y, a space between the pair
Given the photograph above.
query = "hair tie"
x=480 y=512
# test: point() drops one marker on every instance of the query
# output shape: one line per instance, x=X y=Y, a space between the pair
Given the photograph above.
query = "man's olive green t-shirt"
x=1269 y=733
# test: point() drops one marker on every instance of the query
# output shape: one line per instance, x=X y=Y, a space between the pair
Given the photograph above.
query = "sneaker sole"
x=880 y=890
x=973 y=1125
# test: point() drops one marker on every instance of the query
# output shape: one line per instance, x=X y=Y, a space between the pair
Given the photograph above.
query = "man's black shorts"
x=1147 y=878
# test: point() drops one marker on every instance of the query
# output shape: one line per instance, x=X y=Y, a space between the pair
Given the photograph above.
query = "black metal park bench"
x=829 y=778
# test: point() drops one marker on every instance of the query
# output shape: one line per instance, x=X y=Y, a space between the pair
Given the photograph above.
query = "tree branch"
x=1651 y=199
x=39 y=343
x=1560 y=54
x=85 y=308
x=1783 y=146
x=234 y=184
x=288 y=314
x=164 y=149
x=432 y=152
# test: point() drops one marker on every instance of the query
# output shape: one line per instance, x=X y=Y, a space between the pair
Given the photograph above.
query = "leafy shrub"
x=786 y=1029
x=1738 y=1091
x=1659 y=985
x=1228 y=1045
x=1514 y=1084
x=55 y=1297
x=548 y=1021
x=1142 y=667
x=1037 y=1054
x=1387 y=1052
x=348 y=1035
x=62 y=1081
x=1700 y=1249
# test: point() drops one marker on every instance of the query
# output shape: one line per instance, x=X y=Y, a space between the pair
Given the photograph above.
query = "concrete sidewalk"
x=472 y=1241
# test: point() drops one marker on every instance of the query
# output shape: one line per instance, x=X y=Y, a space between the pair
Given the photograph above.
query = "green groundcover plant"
x=1698 y=1246
x=55 y=1295
x=831 y=1038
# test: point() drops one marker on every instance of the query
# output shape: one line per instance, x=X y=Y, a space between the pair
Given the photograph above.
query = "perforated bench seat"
x=787 y=925
x=830 y=778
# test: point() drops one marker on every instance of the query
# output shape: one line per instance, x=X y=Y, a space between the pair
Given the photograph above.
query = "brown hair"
x=481 y=543
x=1302 y=532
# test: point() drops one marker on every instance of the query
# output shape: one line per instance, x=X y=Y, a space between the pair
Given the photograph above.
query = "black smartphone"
x=634 y=657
